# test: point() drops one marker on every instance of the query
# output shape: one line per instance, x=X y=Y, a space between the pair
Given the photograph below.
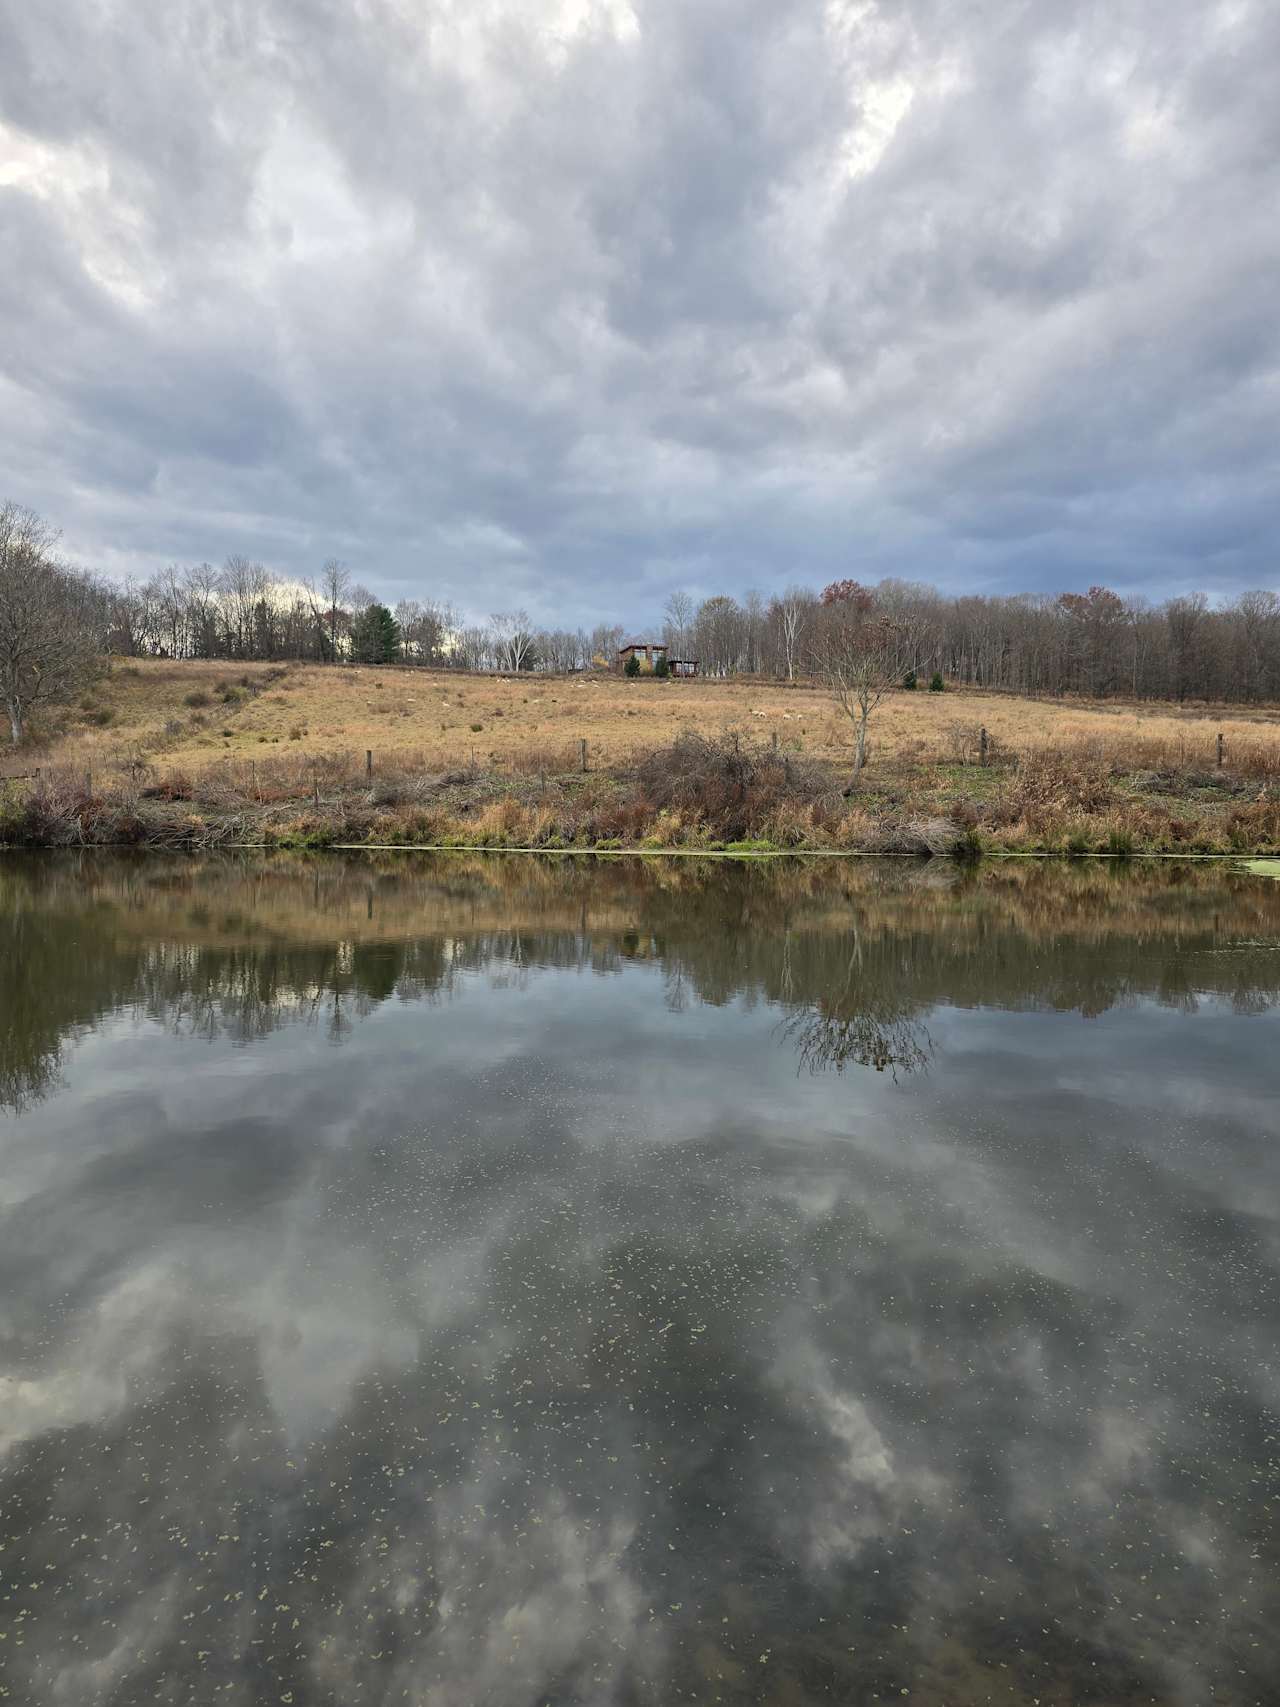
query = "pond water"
x=459 y=1281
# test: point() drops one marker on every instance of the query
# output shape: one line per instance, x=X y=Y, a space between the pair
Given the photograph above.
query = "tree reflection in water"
x=855 y=955
x=826 y=1041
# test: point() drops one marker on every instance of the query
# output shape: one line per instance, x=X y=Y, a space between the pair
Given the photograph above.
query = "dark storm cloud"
x=573 y=302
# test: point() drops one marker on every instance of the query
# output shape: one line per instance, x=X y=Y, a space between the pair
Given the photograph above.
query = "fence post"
x=983 y=745
x=582 y=748
x=368 y=763
x=88 y=785
x=1221 y=746
x=773 y=739
x=315 y=784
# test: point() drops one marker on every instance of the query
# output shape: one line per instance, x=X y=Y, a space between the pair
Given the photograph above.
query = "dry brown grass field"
x=204 y=754
x=188 y=716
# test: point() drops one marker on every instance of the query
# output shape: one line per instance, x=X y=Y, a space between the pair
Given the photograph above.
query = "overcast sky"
x=567 y=303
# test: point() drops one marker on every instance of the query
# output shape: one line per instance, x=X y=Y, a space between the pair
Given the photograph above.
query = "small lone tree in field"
x=632 y=665
x=861 y=656
x=661 y=668
x=909 y=681
x=936 y=683
x=50 y=620
x=375 y=636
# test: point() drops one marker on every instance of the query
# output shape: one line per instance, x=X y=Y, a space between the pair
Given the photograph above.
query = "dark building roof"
x=640 y=645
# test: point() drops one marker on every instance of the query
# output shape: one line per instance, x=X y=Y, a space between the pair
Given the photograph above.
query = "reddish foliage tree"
x=848 y=593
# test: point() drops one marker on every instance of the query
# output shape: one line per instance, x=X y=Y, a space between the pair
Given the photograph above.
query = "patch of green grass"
x=1263 y=867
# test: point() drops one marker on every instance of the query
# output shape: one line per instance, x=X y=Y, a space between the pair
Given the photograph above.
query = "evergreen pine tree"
x=375 y=636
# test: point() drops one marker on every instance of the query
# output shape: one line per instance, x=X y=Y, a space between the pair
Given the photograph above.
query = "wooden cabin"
x=649 y=651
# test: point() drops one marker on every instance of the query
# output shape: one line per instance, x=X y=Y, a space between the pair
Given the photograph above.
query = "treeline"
x=1096 y=644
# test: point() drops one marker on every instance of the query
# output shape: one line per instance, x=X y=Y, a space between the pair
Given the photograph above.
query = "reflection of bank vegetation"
x=852 y=956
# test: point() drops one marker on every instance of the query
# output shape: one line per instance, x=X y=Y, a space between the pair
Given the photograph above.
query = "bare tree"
x=1257 y=637
x=560 y=649
x=605 y=640
x=512 y=639
x=793 y=607
x=473 y=648
x=861 y=655
x=719 y=635
x=335 y=584
x=200 y=584
x=50 y=620
x=679 y=613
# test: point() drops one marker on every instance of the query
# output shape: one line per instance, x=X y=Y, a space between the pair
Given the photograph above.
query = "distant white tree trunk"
x=512 y=639
x=792 y=607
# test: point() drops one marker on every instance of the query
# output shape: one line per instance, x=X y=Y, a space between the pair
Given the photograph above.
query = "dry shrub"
x=501 y=824
x=728 y=784
x=854 y=830
x=619 y=820
x=791 y=824
x=62 y=814
x=1059 y=785
x=402 y=788
x=964 y=745
x=548 y=761
x=176 y=786
x=1256 y=826
x=937 y=837
x=667 y=830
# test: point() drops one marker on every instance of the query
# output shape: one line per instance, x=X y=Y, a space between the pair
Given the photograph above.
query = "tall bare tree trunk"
x=15 y=721
x=860 y=745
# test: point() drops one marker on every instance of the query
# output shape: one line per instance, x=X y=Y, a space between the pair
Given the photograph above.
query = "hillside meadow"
x=192 y=753
x=188 y=714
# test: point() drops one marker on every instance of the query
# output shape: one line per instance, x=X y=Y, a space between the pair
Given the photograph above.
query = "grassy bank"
x=728 y=792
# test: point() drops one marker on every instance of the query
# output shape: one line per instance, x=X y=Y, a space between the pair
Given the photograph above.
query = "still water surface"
x=510 y=1282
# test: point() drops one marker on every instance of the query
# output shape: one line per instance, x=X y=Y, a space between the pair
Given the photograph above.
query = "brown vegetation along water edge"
x=727 y=793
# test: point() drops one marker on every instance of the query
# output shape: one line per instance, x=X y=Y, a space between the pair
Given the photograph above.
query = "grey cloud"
x=582 y=301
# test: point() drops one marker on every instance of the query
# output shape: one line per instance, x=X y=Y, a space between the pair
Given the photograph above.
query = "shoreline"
x=695 y=798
